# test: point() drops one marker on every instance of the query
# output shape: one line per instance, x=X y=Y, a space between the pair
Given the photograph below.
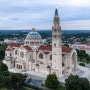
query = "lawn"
x=14 y=88
x=61 y=88
x=83 y=60
x=3 y=89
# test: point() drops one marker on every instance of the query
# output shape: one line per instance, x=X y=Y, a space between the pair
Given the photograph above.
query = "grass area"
x=83 y=60
x=3 y=89
x=61 y=88
x=14 y=88
x=20 y=88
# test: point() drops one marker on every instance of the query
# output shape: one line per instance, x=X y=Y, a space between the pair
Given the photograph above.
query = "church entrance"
x=20 y=66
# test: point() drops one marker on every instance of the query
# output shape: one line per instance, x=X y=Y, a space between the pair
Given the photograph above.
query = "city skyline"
x=25 y=14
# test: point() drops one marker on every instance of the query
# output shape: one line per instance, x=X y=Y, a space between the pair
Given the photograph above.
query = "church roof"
x=14 y=45
x=66 y=49
x=27 y=47
x=49 y=48
x=85 y=49
x=43 y=47
x=33 y=35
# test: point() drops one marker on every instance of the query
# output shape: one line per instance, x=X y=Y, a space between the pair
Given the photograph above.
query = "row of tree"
x=2 y=51
x=73 y=82
x=83 y=55
x=9 y=80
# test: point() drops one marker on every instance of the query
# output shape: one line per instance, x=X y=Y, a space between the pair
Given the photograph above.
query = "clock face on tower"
x=21 y=54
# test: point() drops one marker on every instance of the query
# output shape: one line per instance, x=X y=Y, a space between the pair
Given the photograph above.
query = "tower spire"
x=56 y=11
x=56 y=46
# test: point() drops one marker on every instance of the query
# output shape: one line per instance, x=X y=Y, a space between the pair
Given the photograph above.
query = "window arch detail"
x=41 y=56
x=16 y=52
x=50 y=57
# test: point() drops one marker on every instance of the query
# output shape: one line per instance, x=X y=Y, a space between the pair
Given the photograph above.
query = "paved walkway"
x=81 y=71
x=86 y=73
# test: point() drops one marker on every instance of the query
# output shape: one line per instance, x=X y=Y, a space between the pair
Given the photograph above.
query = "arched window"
x=54 y=44
x=55 y=30
x=16 y=52
x=17 y=66
x=21 y=67
x=41 y=56
x=55 y=36
x=50 y=57
x=10 y=54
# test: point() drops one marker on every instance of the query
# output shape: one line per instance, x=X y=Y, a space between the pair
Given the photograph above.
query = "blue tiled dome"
x=33 y=35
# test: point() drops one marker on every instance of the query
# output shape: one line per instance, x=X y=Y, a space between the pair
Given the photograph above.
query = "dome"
x=33 y=39
x=33 y=35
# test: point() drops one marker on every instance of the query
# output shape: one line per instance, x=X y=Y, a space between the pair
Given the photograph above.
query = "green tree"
x=77 y=51
x=8 y=83
x=2 y=51
x=3 y=67
x=52 y=81
x=87 y=58
x=77 y=83
x=84 y=84
x=17 y=79
x=2 y=82
x=82 y=53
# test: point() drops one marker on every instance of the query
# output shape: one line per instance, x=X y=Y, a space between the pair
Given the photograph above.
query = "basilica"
x=35 y=56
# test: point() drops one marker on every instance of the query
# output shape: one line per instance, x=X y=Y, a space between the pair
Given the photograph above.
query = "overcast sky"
x=25 y=14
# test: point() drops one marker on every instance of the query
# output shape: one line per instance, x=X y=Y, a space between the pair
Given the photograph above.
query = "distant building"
x=12 y=40
x=1 y=42
x=36 y=57
x=80 y=46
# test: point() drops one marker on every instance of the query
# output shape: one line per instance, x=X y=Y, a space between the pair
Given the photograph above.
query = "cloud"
x=76 y=25
x=80 y=3
x=21 y=14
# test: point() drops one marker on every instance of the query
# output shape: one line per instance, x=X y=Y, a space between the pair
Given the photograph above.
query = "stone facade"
x=37 y=57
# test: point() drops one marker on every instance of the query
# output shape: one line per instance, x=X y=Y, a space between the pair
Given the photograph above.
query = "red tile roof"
x=66 y=49
x=14 y=45
x=27 y=47
x=85 y=49
x=49 y=48
x=43 y=47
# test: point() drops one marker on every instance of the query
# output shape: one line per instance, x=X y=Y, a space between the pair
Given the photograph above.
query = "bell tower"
x=56 y=46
